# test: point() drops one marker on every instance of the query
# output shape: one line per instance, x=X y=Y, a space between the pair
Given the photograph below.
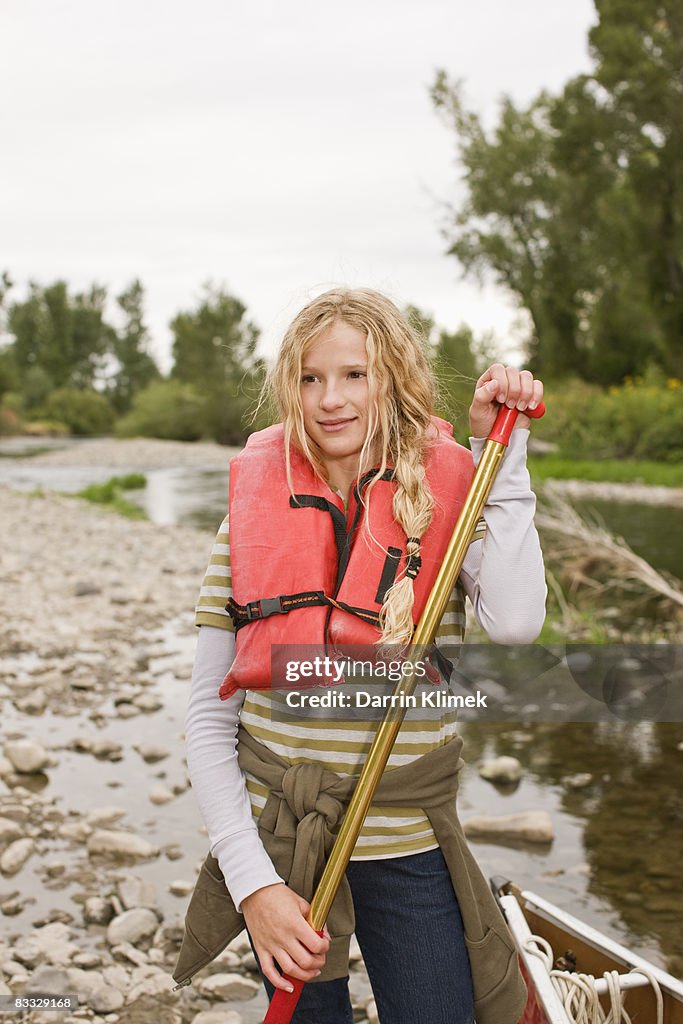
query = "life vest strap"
x=241 y=614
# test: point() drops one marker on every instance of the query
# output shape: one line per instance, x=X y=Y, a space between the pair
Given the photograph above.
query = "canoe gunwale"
x=526 y=912
x=590 y=935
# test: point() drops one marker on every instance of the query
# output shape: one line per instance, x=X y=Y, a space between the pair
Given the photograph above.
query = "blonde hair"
x=401 y=399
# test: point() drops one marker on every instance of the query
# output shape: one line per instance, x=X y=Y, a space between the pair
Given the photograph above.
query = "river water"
x=614 y=790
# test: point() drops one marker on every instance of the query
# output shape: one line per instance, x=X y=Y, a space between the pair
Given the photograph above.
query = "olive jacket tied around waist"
x=304 y=805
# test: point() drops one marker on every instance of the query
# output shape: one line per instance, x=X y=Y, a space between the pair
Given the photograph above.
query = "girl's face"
x=335 y=399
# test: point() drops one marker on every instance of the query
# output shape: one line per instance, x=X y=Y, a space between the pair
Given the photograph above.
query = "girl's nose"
x=331 y=397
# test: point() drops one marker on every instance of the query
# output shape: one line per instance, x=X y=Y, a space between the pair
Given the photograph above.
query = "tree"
x=9 y=378
x=458 y=359
x=638 y=49
x=66 y=339
x=136 y=368
x=572 y=202
x=214 y=349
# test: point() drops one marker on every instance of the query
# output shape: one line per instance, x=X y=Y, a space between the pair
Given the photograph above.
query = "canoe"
x=528 y=914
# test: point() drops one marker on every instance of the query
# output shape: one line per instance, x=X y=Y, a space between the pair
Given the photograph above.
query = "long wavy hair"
x=401 y=396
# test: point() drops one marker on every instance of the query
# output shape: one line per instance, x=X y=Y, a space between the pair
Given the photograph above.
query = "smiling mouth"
x=335 y=424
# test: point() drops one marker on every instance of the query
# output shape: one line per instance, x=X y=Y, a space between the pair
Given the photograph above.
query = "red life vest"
x=304 y=571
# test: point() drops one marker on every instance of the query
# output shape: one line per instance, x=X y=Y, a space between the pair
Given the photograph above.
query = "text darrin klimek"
x=364 y=699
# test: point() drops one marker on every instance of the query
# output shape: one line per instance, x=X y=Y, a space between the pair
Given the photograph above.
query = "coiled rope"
x=578 y=994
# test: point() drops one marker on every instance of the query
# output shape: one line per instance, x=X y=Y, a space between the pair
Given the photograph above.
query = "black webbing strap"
x=241 y=614
x=388 y=573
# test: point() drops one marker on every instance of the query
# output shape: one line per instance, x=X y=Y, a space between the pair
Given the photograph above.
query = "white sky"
x=279 y=148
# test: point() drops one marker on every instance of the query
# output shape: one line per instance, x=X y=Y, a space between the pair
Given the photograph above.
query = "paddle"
x=283 y=1003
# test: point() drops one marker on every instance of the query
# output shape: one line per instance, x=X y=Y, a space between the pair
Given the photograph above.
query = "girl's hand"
x=276 y=918
x=503 y=385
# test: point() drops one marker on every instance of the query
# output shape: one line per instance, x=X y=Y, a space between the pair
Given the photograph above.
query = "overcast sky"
x=277 y=147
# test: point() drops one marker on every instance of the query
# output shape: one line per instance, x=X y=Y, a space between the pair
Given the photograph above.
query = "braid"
x=413 y=507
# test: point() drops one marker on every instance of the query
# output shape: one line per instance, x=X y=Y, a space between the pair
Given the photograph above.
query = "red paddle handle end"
x=283 y=1004
x=506 y=419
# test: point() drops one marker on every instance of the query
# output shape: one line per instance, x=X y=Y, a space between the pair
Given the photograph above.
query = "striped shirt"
x=338 y=745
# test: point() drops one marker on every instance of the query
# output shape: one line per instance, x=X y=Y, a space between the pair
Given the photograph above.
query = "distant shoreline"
x=154 y=453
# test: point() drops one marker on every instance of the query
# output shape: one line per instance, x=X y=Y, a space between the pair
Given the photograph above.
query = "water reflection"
x=190 y=497
x=631 y=810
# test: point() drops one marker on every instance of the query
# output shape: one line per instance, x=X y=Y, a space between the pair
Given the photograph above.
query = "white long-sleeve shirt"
x=506 y=563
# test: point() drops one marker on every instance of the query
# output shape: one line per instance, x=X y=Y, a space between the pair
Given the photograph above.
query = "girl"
x=337 y=525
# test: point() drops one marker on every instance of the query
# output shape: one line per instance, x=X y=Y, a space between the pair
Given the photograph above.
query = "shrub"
x=9 y=423
x=85 y=412
x=168 y=409
x=640 y=419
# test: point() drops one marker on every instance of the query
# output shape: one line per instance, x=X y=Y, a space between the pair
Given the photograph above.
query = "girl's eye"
x=308 y=378
x=357 y=374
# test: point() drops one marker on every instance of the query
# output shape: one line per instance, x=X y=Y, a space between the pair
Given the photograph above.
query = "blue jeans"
x=410 y=932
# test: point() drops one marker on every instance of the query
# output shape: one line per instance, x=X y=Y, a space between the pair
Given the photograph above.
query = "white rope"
x=578 y=994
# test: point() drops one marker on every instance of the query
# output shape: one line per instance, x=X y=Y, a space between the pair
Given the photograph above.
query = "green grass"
x=110 y=494
x=623 y=471
x=27 y=453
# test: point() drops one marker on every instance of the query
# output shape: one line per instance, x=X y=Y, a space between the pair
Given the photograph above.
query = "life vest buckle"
x=265 y=607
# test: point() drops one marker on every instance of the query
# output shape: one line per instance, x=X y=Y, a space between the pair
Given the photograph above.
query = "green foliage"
x=9 y=423
x=614 y=471
x=9 y=377
x=111 y=494
x=36 y=387
x=214 y=350
x=456 y=369
x=136 y=368
x=458 y=358
x=168 y=409
x=573 y=201
x=64 y=341
x=85 y=412
x=643 y=419
x=66 y=337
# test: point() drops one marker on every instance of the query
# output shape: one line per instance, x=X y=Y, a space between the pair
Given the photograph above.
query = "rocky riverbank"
x=132 y=453
x=100 y=839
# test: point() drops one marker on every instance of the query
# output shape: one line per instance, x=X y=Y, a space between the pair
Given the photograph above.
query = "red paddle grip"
x=283 y=1004
x=505 y=421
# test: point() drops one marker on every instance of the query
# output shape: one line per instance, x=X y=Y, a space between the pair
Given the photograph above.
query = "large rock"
x=27 y=756
x=50 y=943
x=501 y=769
x=151 y=753
x=93 y=990
x=530 y=826
x=132 y=925
x=151 y=982
x=97 y=910
x=122 y=844
x=160 y=794
x=118 y=976
x=129 y=952
x=181 y=887
x=104 y=815
x=76 y=830
x=16 y=855
x=136 y=892
x=228 y=986
x=53 y=981
x=147 y=702
x=9 y=831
